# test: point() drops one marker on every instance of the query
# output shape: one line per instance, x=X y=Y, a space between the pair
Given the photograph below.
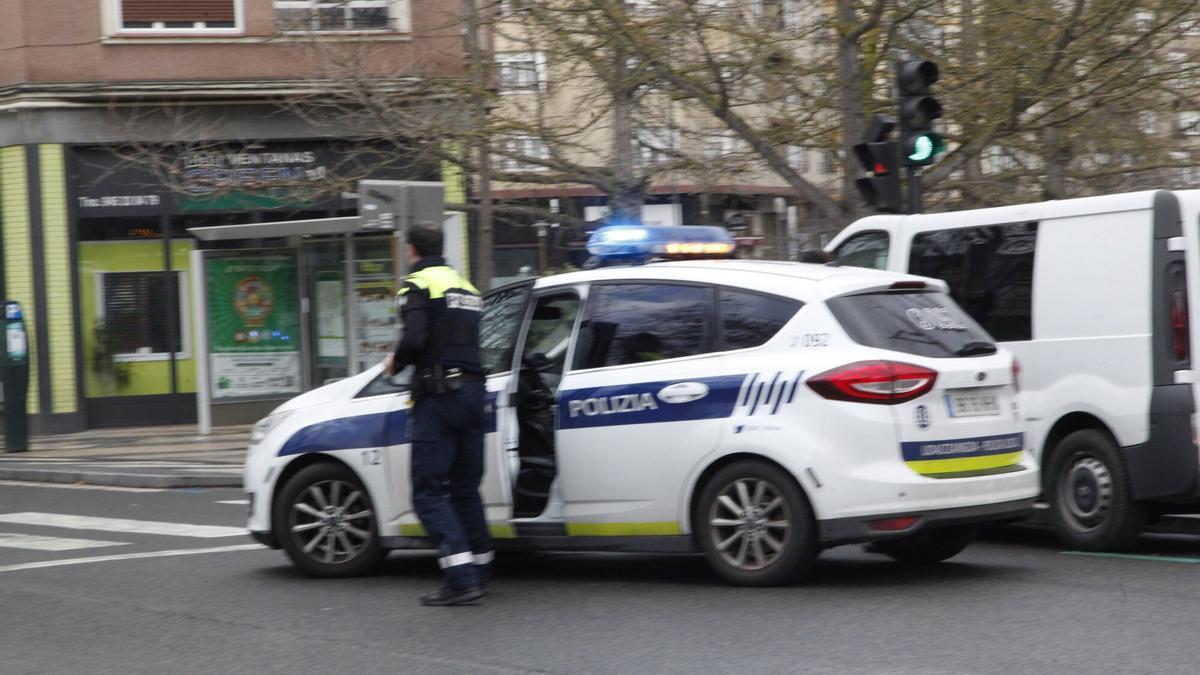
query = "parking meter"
x=14 y=359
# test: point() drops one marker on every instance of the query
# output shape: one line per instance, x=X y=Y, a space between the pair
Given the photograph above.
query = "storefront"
x=274 y=301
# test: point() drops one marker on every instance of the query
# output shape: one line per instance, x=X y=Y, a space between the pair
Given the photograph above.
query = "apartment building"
x=562 y=114
x=130 y=127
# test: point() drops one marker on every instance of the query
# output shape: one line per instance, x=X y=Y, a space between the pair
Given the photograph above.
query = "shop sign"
x=253 y=326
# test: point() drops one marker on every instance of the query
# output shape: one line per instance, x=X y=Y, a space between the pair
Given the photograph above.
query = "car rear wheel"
x=928 y=546
x=754 y=525
x=1088 y=490
x=326 y=522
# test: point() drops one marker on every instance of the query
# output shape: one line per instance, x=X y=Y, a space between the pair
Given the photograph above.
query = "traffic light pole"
x=914 y=189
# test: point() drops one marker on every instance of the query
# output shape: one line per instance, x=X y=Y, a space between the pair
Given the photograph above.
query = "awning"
x=282 y=228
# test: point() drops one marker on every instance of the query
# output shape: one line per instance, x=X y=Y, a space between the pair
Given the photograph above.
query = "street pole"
x=475 y=57
x=914 y=189
x=542 y=226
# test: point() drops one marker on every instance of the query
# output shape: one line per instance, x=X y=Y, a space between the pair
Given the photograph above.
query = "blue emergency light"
x=617 y=244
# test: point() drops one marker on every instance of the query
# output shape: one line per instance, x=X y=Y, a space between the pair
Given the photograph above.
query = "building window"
x=797 y=158
x=656 y=145
x=165 y=16
x=721 y=143
x=521 y=71
x=333 y=16
x=140 y=312
x=517 y=149
x=1189 y=123
x=829 y=163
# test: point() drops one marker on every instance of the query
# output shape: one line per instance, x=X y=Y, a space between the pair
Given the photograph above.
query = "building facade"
x=134 y=133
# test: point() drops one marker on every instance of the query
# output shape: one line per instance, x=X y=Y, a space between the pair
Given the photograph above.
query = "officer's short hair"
x=426 y=238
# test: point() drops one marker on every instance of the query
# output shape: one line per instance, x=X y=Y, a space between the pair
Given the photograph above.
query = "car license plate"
x=972 y=405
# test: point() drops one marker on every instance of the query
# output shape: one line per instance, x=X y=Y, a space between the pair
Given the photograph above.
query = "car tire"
x=1090 y=498
x=755 y=525
x=326 y=522
x=932 y=545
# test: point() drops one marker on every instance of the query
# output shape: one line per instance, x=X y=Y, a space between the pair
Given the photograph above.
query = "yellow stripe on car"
x=931 y=467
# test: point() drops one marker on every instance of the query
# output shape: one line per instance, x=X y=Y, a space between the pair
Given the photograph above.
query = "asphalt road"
x=160 y=598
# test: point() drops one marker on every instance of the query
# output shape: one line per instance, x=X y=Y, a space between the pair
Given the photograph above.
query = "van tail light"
x=1179 y=326
x=886 y=382
x=1016 y=370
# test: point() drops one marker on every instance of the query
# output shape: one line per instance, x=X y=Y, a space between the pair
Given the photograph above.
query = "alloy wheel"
x=332 y=522
x=750 y=523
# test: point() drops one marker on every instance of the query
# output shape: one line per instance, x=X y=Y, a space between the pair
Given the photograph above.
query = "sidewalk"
x=146 y=457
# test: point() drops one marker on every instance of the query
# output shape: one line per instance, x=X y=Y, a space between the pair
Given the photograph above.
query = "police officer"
x=440 y=312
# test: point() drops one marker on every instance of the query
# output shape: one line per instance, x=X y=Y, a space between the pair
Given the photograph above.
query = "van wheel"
x=932 y=545
x=1089 y=494
x=326 y=522
x=754 y=525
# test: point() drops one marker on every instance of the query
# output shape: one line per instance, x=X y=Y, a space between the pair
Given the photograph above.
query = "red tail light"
x=1016 y=374
x=1179 y=326
x=886 y=382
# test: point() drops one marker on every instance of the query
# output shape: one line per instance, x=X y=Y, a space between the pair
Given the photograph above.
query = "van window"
x=750 y=319
x=636 y=323
x=868 y=249
x=924 y=323
x=989 y=271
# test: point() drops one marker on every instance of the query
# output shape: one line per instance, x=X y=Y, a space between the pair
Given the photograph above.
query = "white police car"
x=756 y=412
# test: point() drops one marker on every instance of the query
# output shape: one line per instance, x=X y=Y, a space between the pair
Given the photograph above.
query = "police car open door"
x=633 y=411
x=542 y=361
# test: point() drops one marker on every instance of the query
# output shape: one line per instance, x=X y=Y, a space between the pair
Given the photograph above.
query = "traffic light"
x=880 y=159
x=919 y=143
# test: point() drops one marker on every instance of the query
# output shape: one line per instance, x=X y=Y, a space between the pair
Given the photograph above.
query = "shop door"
x=325 y=288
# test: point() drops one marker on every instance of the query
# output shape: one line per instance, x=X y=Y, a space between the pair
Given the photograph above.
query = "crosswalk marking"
x=121 y=525
x=78 y=486
x=130 y=556
x=33 y=542
x=241 y=502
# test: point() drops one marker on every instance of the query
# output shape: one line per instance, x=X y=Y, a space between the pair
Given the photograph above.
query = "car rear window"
x=922 y=323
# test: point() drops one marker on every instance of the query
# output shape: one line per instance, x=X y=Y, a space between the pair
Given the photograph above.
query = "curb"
x=116 y=479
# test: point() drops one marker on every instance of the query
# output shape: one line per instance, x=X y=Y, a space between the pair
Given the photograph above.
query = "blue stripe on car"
x=373 y=430
x=978 y=446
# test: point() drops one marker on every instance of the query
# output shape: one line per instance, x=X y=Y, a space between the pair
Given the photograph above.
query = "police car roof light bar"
x=635 y=244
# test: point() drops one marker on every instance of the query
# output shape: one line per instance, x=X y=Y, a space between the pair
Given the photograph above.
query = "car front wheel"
x=754 y=525
x=326 y=522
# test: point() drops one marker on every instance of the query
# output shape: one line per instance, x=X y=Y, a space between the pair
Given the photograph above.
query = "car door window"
x=549 y=337
x=750 y=319
x=502 y=314
x=869 y=249
x=641 y=322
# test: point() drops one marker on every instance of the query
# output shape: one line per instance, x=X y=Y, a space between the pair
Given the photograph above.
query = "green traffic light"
x=925 y=146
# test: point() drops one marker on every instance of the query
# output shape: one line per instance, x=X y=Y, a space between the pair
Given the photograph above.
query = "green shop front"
x=242 y=275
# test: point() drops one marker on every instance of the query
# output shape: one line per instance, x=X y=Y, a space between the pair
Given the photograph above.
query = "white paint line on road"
x=130 y=556
x=78 y=486
x=1136 y=556
x=33 y=542
x=242 y=502
x=121 y=525
x=40 y=459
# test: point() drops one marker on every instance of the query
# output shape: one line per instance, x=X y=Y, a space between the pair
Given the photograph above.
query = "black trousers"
x=447 y=468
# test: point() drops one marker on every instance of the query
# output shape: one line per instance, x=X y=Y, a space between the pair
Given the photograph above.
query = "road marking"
x=1135 y=556
x=241 y=502
x=121 y=525
x=36 y=543
x=74 y=486
x=130 y=556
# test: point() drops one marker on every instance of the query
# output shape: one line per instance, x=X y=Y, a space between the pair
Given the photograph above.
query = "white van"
x=1092 y=296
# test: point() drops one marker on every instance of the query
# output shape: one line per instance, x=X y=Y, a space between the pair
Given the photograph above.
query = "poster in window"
x=331 y=318
x=374 y=311
x=253 y=326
